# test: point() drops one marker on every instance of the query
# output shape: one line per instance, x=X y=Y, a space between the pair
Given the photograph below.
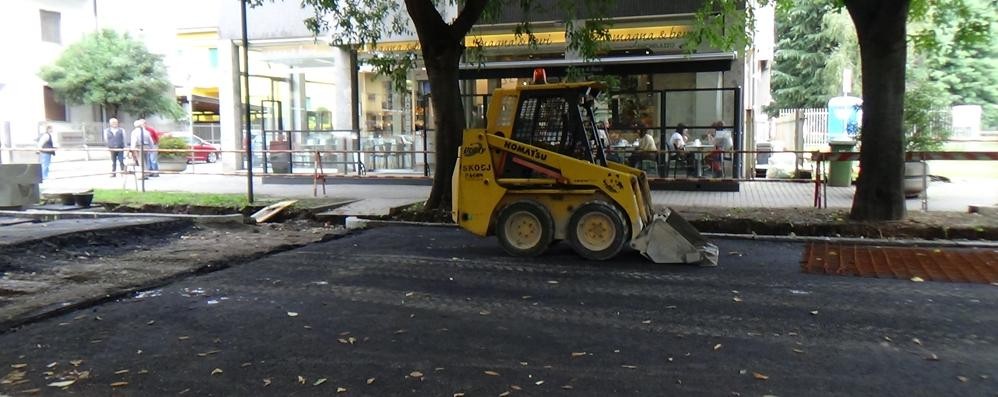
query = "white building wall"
x=22 y=105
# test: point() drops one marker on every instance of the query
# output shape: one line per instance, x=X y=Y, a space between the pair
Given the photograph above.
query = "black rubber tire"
x=610 y=217
x=211 y=158
x=542 y=231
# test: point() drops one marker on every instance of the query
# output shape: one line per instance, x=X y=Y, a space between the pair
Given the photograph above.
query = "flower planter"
x=913 y=174
x=172 y=165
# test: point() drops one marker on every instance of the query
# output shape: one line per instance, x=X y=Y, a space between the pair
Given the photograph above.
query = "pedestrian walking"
x=140 y=145
x=115 y=138
x=46 y=149
x=154 y=150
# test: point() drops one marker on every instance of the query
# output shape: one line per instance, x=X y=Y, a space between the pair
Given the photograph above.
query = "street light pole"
x=246 y=102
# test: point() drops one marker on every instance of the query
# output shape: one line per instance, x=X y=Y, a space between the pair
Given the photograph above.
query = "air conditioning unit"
x=19 y=185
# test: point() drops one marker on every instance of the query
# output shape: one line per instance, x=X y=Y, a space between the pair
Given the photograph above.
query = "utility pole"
x=246 y=103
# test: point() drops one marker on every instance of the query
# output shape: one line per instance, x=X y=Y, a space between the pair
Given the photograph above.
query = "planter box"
x=173 y=165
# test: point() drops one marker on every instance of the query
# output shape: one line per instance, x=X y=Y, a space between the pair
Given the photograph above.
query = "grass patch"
x=134 y=198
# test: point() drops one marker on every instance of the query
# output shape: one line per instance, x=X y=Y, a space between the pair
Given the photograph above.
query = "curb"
x=762 y=237
x=44 y=214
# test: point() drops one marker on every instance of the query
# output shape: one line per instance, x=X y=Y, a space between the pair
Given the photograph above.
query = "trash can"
x=840 y=172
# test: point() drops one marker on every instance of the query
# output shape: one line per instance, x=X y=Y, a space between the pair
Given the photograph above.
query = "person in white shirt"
x=677 y=142
x=141 y=143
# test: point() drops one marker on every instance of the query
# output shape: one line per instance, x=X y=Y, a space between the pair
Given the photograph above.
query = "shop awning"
x=646 y=64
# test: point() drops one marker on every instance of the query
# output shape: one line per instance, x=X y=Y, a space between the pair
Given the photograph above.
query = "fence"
x=801 y=129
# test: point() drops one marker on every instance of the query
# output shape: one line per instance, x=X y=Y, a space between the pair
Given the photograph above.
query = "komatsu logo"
x=526 y=151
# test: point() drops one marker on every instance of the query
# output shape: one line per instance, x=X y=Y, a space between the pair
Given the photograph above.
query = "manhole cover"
x=965 y=265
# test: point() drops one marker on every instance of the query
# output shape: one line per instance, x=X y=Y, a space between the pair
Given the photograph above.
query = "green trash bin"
x=840 y=172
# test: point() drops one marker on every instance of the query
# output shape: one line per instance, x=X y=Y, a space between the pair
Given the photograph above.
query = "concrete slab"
x=370 y=207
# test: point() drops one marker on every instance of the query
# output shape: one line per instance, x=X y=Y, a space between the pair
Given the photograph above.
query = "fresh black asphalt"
x=436 y=311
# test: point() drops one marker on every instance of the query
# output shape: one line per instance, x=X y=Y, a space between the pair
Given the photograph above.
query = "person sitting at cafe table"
x=677 y=141
x=646 y=149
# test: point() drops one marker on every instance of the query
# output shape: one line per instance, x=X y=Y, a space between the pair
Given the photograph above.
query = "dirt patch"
x=40 y=280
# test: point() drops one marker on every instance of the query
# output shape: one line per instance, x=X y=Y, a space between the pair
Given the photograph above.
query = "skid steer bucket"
x=671 y=239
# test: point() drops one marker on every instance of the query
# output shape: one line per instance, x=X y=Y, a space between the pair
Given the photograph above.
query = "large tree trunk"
x=880 y=27
x=448 y=115
x=443 y=45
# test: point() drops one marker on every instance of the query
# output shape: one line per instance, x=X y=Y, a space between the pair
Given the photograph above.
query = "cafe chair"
x=650 y=167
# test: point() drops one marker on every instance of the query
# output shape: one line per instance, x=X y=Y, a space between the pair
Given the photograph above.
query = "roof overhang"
x=645 y=64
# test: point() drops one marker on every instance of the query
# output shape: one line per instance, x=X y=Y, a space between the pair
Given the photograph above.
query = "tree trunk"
x=448 y=115
x=442 y=46
x=880 y=27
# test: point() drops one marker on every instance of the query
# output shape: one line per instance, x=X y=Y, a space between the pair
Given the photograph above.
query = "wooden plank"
x=270 y=211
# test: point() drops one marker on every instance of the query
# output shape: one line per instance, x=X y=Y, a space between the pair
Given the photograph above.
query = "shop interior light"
x=540 y=76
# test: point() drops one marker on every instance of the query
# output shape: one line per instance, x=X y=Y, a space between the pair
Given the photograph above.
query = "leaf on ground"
x=458 y=394
x=798 y=351
x=491 y=373
x=292 y=314
x=244 y=365
x=208 y=353
x=646 y=322
x=484 y=312
x=76 y=363
x=151 y=322
x=567 y=387
x=143 y=371
x=64 y=383
x=52 y=364
x=343 y=341
x=552 y=282
x=320 y=381
x=760 y=376
x=814 y=312
x=266 y=382
x=301 y=379
x=504 y=394
x=416 y=374
x=119 y=384
x=916 y=341
x=216 y=371
x=578 y=354
x=538 y=383
x=121 y=372
x=515 y=387
x=917 y=279
x=183 y=337
x=932 y=357
x=370 y=380
x=736 y=299
x=962 y=379
x=351 y=340
x=18 y=366
x=629 y=366
x=341 y=390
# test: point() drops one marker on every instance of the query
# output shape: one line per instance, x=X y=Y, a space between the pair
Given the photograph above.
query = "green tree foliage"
x=967 y=72
x=113 y=70
x=815 y=43
x=926 y=106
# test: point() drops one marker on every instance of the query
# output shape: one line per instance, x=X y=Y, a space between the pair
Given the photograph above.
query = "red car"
x=201 y=150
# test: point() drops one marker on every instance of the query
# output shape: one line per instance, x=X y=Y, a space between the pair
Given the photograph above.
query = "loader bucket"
x=671 y=239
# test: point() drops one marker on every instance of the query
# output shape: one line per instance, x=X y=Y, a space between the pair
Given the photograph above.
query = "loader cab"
x=559 y=118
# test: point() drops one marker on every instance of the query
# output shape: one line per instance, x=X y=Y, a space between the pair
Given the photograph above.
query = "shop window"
x=213 y=58
x=55 y=109
x=51 y=26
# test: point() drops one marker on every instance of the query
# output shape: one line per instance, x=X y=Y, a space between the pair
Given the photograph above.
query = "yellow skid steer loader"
x=538 y=174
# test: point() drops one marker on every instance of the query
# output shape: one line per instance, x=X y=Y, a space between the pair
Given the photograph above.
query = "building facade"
x=300 y=86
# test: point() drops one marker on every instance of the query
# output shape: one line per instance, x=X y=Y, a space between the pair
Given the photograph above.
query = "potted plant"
x=175 y=161
x=926 y=129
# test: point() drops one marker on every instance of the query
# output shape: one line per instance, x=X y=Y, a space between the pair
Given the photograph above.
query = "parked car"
x=201 y=150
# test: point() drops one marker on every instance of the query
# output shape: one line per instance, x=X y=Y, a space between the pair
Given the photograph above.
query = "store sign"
x=652 y=36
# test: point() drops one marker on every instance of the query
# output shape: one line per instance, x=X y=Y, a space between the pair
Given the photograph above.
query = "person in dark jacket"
x=115 y=138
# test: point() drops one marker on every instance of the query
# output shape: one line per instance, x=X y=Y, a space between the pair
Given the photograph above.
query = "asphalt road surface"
x=437 y=312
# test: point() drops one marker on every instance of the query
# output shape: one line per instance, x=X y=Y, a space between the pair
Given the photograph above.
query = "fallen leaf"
x=216 y=371
x=292 y=314
x=320 y=381
x=759 y=376
x=416 y=374
x=917 y=279
x=646 y=322
x=438 y=369
x=121 y=372
x=343 y=341
x=64 y=383
x=814 y=312
x=538 y=383
x=351 y=340
x=932 y=357
x=552 y=282
x=887 y=338
x=504 y=394
x=736 y=299
x=567 y=387
x=208 y=353
x=341 y=390
x=484 y=312
x=119 y=384
x=628 y=366
x=515 y=387
x=151 y=322
x=962 y=379
x=370 y=380
x=244 y=365
x=916 y=341
x=491 y=373
x=798 y=351
x=578 y=354
x=143 y=371
x=52 y=364
x=266 y=382
x=76 y=363
x=458 y=394
x=183 y=337
x=31 y=391
x=18 y=366
x=717 y=347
